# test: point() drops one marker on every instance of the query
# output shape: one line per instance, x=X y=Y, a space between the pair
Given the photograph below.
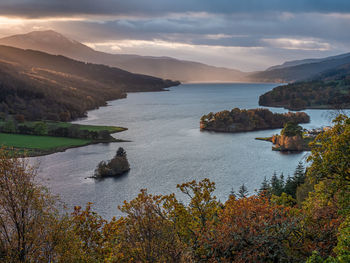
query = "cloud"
x=298 y=44
x=209 y=54
x=264 y=31
x=44 y=8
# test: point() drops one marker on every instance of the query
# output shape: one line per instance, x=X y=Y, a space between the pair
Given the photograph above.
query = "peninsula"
x=36 y=138
x=330 y=90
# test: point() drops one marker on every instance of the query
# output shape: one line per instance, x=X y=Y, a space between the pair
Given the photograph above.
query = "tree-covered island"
x=238 y=120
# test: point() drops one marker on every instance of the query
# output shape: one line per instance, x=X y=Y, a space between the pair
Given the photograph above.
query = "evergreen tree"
x=299 y=174
x=277 y=184
x=243 y=191
x=265 y=186
x=289 y=186
x=298 y=179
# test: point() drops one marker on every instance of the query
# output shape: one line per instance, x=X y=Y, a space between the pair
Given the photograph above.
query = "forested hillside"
x=42 y=86
x=330 y=90
x=302 y=72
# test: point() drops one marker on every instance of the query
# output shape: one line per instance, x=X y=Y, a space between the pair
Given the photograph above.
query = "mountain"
x=300 y=72
x=169 y=68
x=339 y=73
x=306 y=61
x=43 y=86
x=163 y=67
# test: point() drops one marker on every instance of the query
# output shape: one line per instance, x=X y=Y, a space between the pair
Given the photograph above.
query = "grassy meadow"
x=39 y=142
x=46 y=142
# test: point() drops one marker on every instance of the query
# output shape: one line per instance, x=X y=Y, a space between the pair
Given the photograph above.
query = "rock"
x=289 y=143
x=115 y=167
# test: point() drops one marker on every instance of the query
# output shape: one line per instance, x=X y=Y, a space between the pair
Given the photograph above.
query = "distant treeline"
x=58 y=129
x=238 y=120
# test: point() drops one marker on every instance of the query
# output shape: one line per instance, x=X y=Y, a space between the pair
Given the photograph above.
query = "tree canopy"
x=268 y=226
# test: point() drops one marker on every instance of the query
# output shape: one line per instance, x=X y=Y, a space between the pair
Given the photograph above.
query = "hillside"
x=162 y=67
x=300 y=72
x=306 y=61
x=328 y=90
x=42 y=86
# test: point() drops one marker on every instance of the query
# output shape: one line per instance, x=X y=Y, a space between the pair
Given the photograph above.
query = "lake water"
x=168 y=148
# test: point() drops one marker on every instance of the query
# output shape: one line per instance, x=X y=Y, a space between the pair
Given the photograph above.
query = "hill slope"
x=293 y=63
x=163 y=67
x=330 y=90
x=42 y=86
x=300 y=72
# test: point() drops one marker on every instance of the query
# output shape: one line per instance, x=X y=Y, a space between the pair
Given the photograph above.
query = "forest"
x=330 y=90
x=40 y=86
x=238 y=120
x=302 y=218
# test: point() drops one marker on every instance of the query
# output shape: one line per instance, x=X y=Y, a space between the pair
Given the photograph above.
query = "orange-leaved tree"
x=28 y=214
x=253 y=229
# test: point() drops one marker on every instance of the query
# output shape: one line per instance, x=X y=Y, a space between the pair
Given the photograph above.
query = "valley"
x=174 y=131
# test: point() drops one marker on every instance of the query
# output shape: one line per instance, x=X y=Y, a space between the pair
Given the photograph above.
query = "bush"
x=40 y=128
x=292 y=129
x=9 y=126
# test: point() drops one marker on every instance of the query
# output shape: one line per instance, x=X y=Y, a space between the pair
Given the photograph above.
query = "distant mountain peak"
x=40 y=35
x=44 y=32
x=48 y=41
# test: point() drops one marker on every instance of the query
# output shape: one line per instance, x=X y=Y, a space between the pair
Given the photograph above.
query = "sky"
x=243 y=34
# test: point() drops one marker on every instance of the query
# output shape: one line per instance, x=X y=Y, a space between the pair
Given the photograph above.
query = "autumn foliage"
x=269 y=226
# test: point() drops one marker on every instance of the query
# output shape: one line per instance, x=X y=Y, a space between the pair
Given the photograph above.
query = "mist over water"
x=167 y=147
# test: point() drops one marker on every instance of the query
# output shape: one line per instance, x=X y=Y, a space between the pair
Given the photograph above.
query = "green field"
x=45 y=143
x=30 y=140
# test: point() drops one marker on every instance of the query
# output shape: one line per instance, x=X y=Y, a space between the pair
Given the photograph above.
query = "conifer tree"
x=243 y=191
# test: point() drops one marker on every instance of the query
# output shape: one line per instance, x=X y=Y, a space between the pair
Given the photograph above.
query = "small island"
x=241 y=120
x=293 y=138
x=119 y=165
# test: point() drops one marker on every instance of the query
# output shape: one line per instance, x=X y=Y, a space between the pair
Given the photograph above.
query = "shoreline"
x=321 y=107
x=229 y=82
x=38 y=153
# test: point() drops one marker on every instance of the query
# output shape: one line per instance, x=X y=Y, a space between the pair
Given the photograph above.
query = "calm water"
x=167 y=147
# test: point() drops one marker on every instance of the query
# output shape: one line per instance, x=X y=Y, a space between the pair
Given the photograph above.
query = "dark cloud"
x=230 y=30
x=45 y=8
x=279 y=29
